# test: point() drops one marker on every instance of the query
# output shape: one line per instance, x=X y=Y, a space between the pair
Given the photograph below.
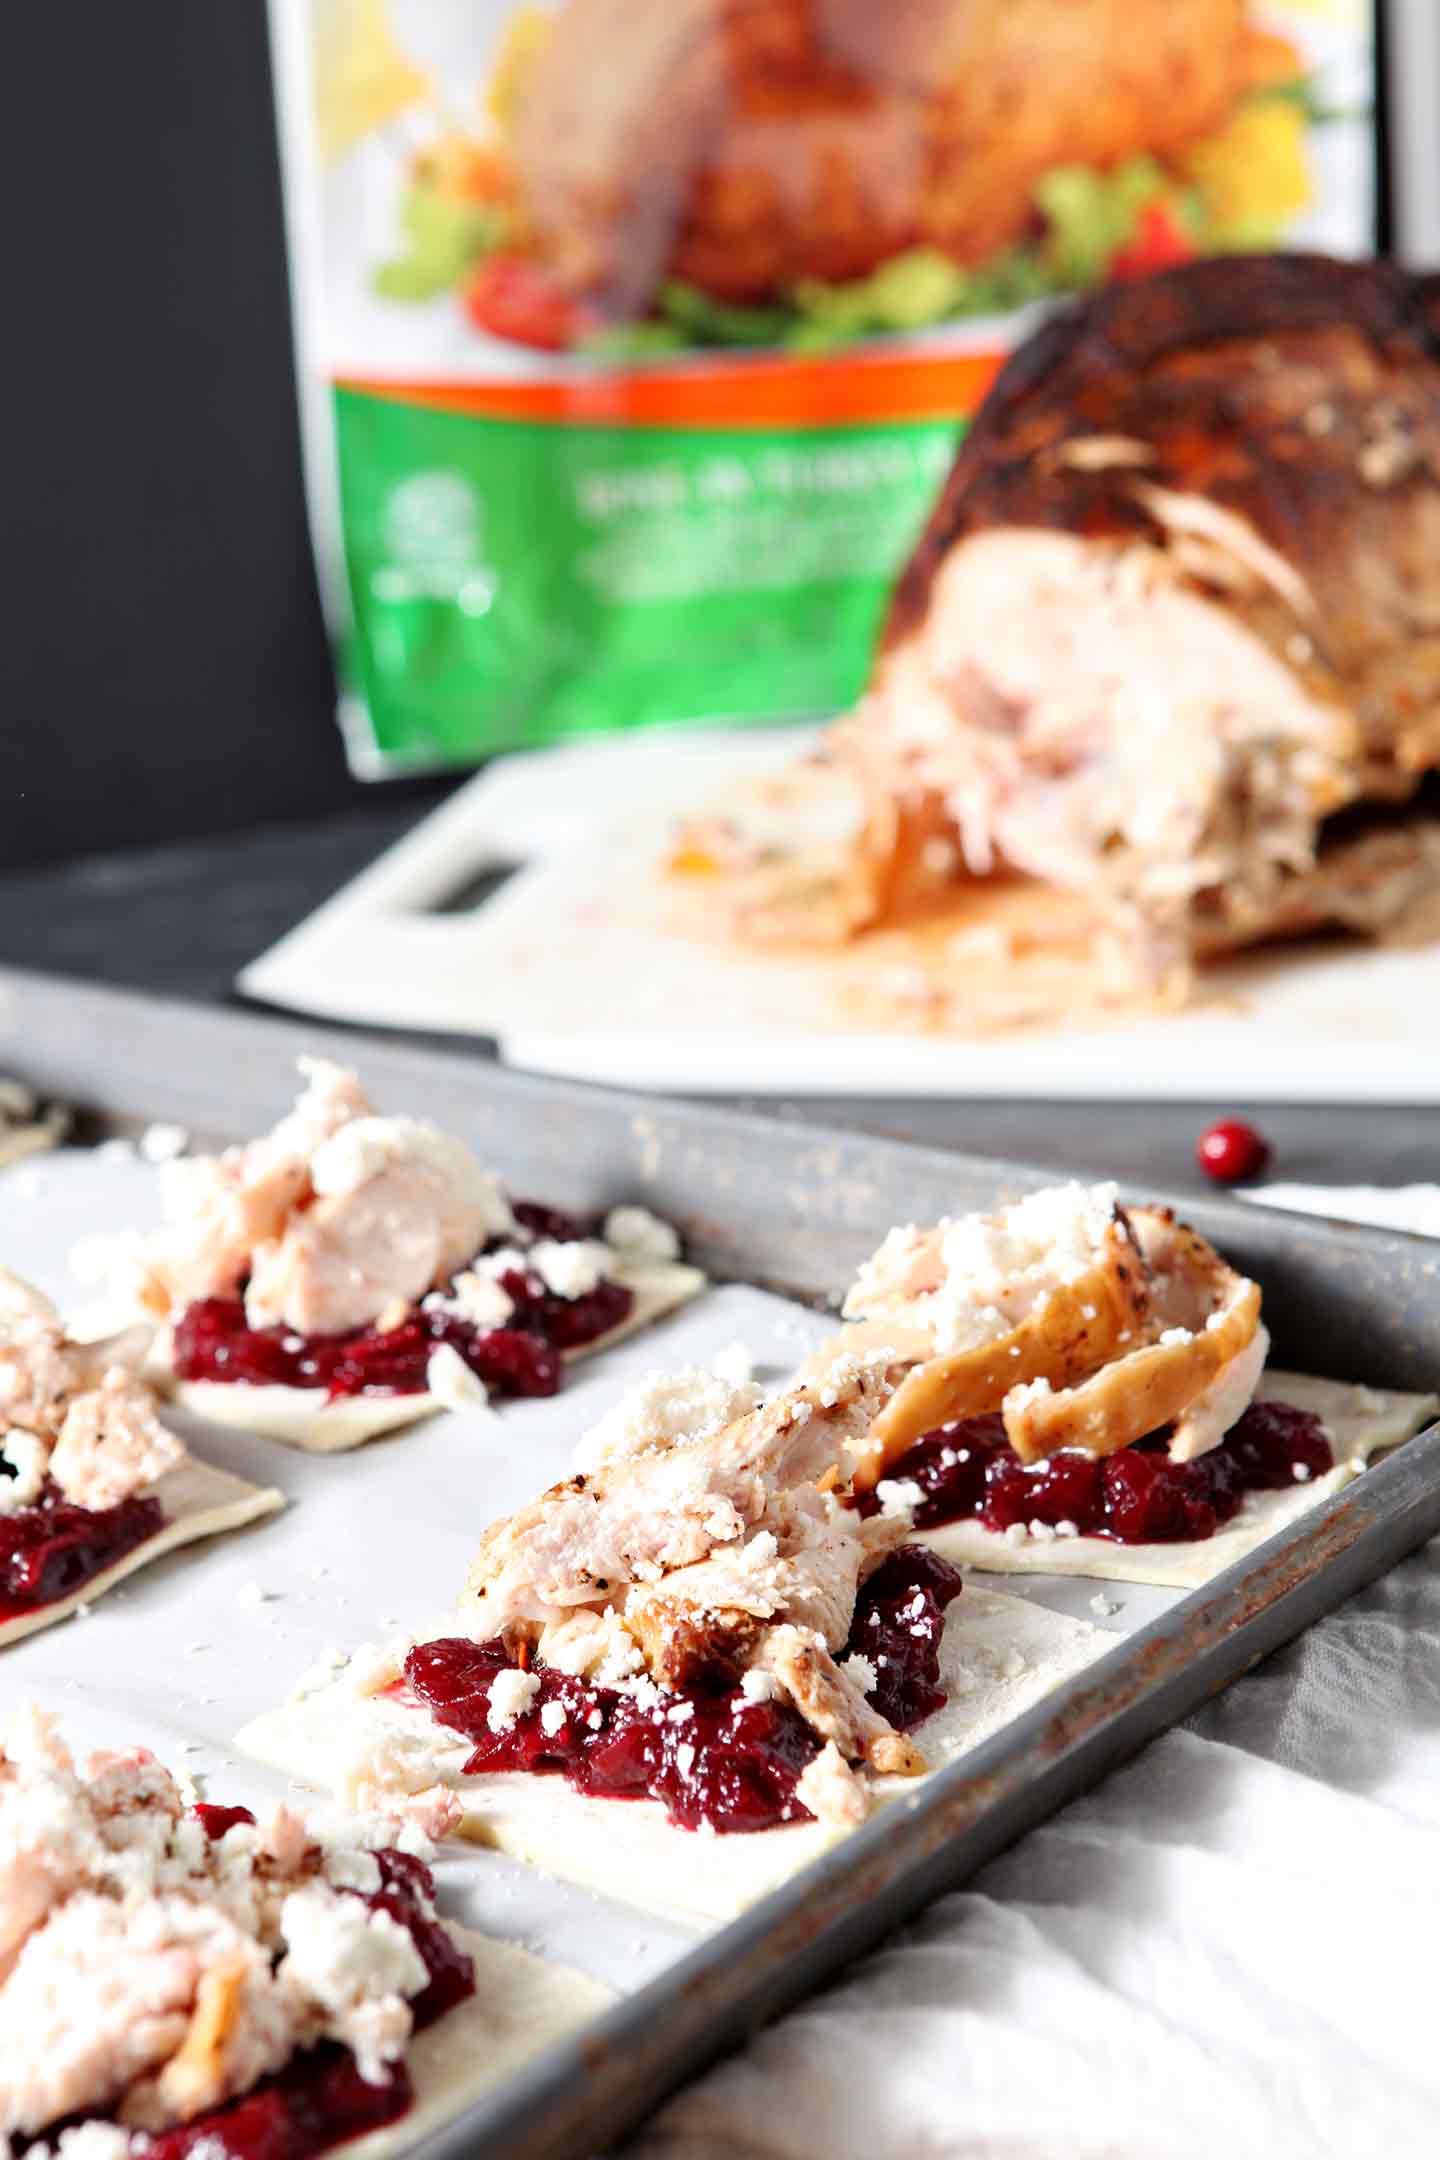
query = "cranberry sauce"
x=1136 y=1496
x=713 y=1756
x=52 y=1548
x=407 y=1893
x=899 y=1620
x=318 y=2100
x=214 y=1342
x=215 y=1820
x=407 y=1890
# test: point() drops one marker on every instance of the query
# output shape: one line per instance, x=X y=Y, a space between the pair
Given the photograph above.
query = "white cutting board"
x=568 y=964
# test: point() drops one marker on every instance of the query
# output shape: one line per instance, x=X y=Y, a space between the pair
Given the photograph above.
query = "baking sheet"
x=790 y=1207
x=1334 y=1020
x=180 y=1657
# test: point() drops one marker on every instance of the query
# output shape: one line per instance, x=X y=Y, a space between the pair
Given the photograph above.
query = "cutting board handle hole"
x=472 y=891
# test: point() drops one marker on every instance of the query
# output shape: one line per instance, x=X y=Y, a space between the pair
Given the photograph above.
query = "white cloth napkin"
x=1392 y=1207
x=1230 y=1949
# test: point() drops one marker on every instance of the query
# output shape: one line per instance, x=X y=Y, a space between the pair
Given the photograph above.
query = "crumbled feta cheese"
x=637 y=1235
x=511 y=1694
x=735 y=1364
x=1104 y=1608
x=859 y=1668
x=162 y=1143
x=831 y=1790
x=667 y=1409
x=1066 y=1528
x=129 y=1908
x=1175 y=1338
x=104 y=2141
x=348 y=1956
x=899 y=1497
x=479 y=1298
x=978 y=1276
x=1301 y=1472
x=571 y=1270
x=26 y=1456
x=758 y=1686
x=1042 y=1532
x=451 y=1381
x=110 y=1442
x=552 y=1718
x=374 y=1666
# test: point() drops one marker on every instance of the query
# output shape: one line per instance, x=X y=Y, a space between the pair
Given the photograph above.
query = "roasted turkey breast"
x=744 y=144
x=1172 y=636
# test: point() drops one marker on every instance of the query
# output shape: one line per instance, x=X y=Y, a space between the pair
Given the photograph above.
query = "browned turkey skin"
x=743 y=144
x=1174 y=627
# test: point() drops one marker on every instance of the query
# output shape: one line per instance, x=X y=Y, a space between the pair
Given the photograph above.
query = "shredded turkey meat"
x=149 y=1973
x=710 y=1551
x=336 y=1219
x=1045 y=1290
x=1084 y=1324
x=1204 y=1318
x=1168 y=638
x=690 y=1547
x=586 y=1541
x=74 y=1413
x=1079 y=711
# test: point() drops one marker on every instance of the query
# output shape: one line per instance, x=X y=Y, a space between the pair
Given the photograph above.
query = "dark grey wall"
x=163 y=666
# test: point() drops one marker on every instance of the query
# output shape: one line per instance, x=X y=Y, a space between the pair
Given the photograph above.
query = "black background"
x=163 y=664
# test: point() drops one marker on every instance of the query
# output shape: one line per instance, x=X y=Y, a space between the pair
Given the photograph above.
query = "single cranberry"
x=1230 y=1151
